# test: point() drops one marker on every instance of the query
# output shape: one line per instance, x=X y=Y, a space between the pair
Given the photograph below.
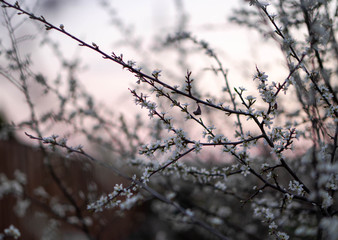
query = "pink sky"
x=239 y=48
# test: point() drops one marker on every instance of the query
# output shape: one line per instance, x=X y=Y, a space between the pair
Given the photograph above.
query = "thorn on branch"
x=95 y=46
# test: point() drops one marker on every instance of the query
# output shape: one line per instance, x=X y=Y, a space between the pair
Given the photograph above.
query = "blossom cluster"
x=113 y=199
x=193 y=168
x=11 y=231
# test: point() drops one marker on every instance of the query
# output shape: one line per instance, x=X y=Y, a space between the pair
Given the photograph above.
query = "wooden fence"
x=61 y=176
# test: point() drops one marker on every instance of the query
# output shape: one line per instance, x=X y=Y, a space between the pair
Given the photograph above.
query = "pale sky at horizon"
x=236 y=46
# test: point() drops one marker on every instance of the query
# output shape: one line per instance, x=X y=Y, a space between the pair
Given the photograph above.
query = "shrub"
x=271 y=174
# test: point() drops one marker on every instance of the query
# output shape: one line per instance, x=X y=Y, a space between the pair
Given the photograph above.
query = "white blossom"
x=12 y=231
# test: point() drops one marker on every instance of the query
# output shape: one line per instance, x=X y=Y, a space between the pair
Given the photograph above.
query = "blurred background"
x=69 y=84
